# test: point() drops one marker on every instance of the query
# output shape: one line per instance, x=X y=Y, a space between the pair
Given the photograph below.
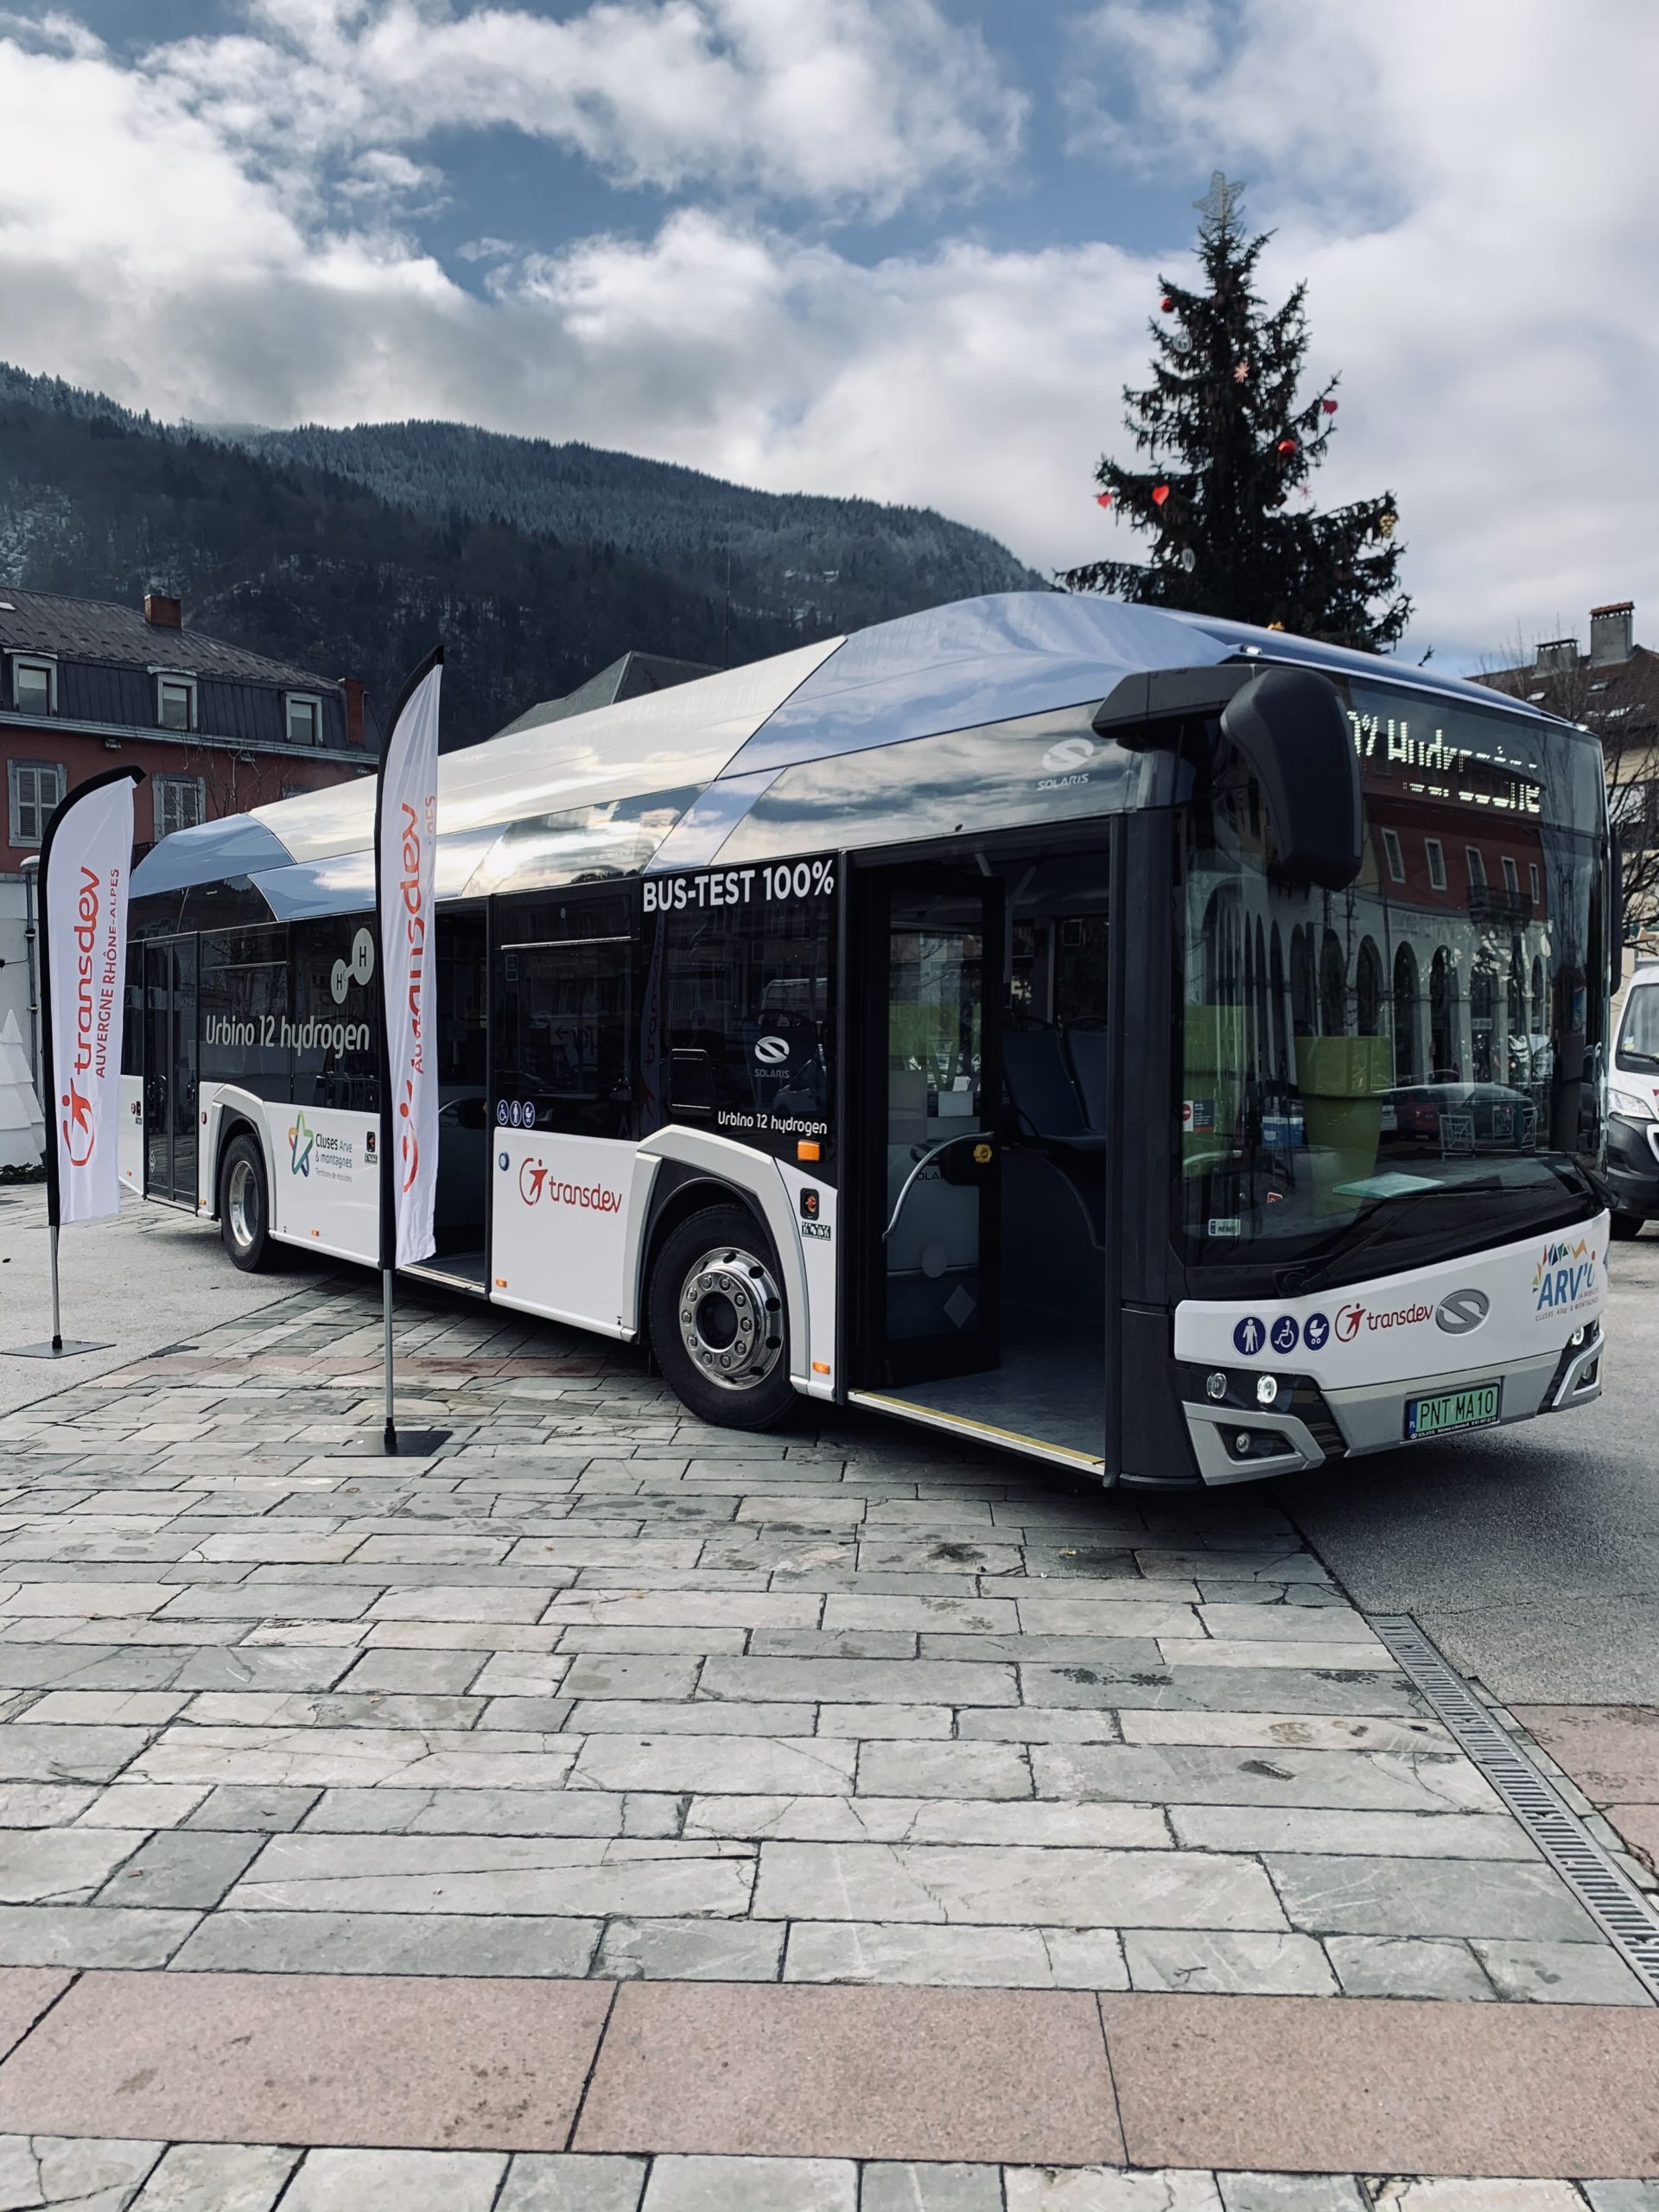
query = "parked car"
x=1633 y=1106
x=1466 y=1116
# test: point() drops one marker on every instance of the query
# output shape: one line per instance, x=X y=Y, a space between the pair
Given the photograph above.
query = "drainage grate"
x=1617 y=1906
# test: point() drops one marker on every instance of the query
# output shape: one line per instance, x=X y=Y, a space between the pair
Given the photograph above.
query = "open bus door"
x=933 y=1215
x=981 y=1182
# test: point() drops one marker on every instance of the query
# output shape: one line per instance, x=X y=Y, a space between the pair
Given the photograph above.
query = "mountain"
x=829 y=563
x=350 y=551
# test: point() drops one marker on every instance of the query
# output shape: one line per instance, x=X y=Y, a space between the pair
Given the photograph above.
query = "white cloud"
x=846 y=104
x=1468 y=191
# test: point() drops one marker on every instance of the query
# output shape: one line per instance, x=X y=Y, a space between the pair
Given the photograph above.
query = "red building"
x=86 y=686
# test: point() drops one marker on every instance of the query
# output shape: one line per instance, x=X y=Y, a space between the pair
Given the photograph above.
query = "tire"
x=1627 y=1226
x=719 y=1325
x=245 y=1206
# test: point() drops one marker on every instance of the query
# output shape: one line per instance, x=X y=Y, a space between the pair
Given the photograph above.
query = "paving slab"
x=1399 y=2085
x=236 y=2058
x=891 y=2074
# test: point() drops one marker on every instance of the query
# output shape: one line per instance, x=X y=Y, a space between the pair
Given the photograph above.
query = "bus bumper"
x=1239 y=1443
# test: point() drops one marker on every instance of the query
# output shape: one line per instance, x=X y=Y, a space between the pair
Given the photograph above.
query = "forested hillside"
x=350 y=551
x=828 y=563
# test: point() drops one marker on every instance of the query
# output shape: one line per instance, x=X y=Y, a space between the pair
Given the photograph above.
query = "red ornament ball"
x=1166 y=305
x=1329 y=405
x=1160 y=493
x=1285 y=445
x=1102 y=498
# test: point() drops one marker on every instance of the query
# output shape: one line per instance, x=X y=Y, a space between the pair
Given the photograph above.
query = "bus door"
x=170 y=1147
x=932 y=1051
x=461 y=1038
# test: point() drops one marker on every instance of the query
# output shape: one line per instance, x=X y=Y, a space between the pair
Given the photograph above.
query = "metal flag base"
x=403 y=1444
x=60 y=1347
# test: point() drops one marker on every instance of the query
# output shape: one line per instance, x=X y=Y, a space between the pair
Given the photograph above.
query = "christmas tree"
x=1229 y=446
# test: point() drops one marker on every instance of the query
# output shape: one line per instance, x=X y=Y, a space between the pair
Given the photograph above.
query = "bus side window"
x=748 y=1018
x=334 y=1029
x=562 y=1028
x=244 y=1025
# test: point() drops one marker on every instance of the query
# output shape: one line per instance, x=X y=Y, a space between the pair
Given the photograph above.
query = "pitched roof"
x=102 y=630
x=1617 y=699
x=630 y=677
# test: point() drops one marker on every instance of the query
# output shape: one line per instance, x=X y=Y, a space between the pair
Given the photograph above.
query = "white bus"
x=1163 y=1047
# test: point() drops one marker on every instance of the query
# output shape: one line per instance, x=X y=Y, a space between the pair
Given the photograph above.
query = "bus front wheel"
x=718 y=1325
x=245 y=1206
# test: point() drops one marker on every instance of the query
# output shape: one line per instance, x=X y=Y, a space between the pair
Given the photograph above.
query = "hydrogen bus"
x=1161 y=1046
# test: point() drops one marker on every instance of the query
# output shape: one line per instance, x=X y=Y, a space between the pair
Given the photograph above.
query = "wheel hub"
x=243 y=1203
x=731 y=1318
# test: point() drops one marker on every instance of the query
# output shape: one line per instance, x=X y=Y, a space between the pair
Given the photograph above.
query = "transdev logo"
x=301 y=1139
x=536 y=1182
x=1565 y=1278
x=79 y=1133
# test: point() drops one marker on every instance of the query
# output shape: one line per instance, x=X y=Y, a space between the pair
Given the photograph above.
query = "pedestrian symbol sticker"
x=1250 y=1337
x=1285 y=1333
x=1316 y=1332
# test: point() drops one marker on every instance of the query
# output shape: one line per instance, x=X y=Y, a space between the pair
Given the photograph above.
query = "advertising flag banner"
x=405 y=847
x=85 y=859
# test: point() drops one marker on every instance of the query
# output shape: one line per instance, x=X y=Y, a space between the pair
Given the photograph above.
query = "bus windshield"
x=1377 y=1077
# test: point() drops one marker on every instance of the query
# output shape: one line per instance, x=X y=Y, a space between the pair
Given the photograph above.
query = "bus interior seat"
x=1089 y=1065
x=1040 y=1090
x=1052 y=1240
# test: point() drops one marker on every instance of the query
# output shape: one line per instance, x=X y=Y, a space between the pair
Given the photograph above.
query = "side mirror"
x=1289 y=725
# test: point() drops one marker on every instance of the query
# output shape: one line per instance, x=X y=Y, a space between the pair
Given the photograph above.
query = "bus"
x=1163 y=1047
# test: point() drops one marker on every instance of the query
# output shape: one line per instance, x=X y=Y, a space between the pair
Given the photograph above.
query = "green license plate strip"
x=1476 y=1407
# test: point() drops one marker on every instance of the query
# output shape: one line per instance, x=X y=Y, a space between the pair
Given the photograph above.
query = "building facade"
x=86 y=686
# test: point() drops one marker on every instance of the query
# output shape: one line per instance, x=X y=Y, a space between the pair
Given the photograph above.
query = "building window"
x=1396 y=858
x=1511 y=876
x=1532 y=880
x=1436 y=852
x=35 y=687
x=1477 y=868
x=304 y=719
x=36 y=790
x=180 y=801
x=175 y=702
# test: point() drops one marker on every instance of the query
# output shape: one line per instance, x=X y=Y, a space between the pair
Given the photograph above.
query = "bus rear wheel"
x=718 y=1325
x=245 y=1206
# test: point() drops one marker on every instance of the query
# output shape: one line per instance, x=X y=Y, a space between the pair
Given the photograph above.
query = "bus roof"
x=663 y=780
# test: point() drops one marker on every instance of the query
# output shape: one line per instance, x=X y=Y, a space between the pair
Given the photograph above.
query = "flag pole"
x=398 y=999
x=57 y=1321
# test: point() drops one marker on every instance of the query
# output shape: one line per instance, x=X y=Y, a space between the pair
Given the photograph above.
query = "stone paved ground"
x=599 y=1695
x=97 y=2176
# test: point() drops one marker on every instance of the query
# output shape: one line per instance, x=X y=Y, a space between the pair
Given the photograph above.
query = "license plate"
x=1475 y=1407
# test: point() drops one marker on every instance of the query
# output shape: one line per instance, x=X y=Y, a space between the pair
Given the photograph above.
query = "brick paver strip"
x=25 y=1993
x=309 y=2058
x=1613 y=1752
x=1394 y=2085
x=873 y=2073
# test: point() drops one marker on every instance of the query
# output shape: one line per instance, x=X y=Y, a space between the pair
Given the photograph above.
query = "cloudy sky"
x=903 y=248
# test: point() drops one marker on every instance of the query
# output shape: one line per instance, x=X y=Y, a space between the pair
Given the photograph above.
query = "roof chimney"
x=1557 y=656
x=1610 y=634
x=352 y=687
x=162 y=612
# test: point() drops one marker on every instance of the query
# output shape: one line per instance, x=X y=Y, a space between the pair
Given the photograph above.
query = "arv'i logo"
x=301 y=1138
